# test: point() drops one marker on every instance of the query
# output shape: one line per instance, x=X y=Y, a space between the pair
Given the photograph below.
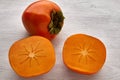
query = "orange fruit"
x=32 y=56
x=84 y=54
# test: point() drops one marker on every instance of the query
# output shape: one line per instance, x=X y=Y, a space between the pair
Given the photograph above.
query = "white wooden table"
x=98 y=18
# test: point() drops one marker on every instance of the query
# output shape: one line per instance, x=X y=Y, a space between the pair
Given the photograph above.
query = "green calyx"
x=56 y=23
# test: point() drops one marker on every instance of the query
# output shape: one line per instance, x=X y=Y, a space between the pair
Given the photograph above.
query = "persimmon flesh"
x=32 y=56
x=84 y=54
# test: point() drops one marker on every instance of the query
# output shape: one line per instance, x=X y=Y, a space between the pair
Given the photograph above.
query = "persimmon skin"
x=37 y=17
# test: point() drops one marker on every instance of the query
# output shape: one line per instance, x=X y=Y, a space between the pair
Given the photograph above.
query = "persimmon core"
x=31 y=55
x=84 y=52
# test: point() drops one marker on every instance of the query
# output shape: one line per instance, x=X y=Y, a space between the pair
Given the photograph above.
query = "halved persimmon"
x=32 y=56
x=84 y=54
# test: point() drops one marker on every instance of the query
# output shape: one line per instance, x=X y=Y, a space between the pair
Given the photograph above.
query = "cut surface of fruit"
x=32 y=56
x=84 y=54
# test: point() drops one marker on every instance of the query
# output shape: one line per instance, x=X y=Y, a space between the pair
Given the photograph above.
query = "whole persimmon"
x=43 y=18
